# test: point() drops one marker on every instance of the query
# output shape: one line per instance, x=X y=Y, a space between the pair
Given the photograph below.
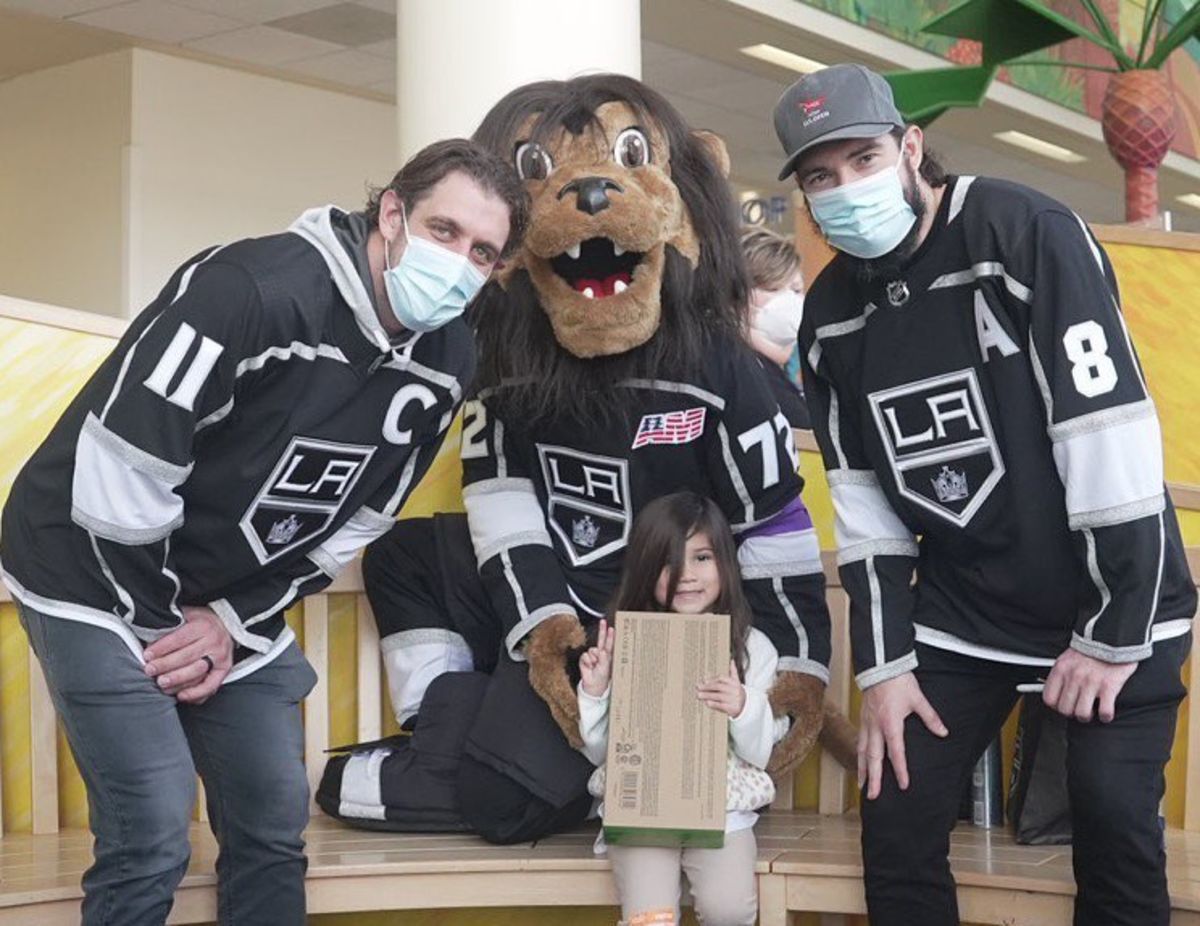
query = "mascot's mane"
x=699 y=305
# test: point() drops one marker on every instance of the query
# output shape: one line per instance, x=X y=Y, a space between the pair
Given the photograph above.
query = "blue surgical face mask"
x=431 y=285
x=866 y=218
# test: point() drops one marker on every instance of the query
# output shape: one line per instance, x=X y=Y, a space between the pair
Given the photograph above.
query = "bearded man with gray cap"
x=985 y=424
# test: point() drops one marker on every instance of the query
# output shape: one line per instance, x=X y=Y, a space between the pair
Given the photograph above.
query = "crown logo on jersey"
x=585 y=532
x=283 y=531
x=950 y=485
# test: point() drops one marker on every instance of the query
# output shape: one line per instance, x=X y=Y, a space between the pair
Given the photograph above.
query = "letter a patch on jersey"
x=940 y=443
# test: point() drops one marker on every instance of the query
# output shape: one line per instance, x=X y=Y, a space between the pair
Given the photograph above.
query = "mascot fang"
x=612 y=371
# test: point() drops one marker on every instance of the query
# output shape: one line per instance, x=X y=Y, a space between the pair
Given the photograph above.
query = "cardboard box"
x=667 y=751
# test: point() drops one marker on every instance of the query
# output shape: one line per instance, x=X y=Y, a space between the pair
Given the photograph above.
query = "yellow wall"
x=1158 y=294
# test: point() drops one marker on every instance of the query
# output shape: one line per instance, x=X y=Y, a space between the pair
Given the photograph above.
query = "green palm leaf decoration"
x=1138 y=109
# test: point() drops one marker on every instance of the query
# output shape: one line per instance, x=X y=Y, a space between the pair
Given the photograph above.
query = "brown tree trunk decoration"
x=1138 y=119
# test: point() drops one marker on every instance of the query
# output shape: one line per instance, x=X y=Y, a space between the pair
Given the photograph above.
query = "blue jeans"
x=139 y=750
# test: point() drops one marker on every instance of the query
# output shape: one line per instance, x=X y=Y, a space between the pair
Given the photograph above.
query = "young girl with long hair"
x=682 y=558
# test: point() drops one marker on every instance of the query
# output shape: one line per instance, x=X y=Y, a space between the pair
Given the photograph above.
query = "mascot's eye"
x=632 y=149
x=533 y=163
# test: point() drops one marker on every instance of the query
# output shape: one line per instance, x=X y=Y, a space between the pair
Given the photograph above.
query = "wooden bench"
x=807 y=861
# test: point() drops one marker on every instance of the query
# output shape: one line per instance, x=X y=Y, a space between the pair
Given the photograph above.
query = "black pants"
x=518 y=778
x=1115 y=779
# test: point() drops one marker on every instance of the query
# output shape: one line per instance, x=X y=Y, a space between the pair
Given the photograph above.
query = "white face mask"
x=778 y=320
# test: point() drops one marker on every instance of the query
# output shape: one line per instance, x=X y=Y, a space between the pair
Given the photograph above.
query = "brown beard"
x=888 y=267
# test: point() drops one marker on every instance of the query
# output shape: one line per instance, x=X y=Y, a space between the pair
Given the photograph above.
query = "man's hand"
x=177 y=660
x=1076 y=681
x=881 y=734
x=546 y=650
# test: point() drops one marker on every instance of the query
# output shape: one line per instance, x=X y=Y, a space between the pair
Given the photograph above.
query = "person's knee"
x=496 y=807
x=379 y=556
x=899 y=836
x=151 y=833
x=721 y=906
x=1102 y=803
x=385 y=560
x=270 y=805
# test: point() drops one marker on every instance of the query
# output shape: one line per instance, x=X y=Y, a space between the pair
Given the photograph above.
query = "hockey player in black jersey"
x=612 y=371
x=259 y=423
x=985 y=424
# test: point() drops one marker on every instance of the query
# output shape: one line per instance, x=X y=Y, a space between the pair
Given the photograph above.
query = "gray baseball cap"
x=843 y=101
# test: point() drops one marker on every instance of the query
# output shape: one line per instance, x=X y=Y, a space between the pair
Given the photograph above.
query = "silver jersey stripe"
x=735 y=474
x=958 y=197
x=986 y=268
x=171 y=473
x=939 y=639
x=792 y=616
x=437 y=377
x=1097 y=580
x=663 y=385
x=287 y=352
x=1099 y=420
x=877 y=640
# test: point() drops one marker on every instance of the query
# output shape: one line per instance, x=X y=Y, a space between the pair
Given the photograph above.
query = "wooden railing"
x=370 y=701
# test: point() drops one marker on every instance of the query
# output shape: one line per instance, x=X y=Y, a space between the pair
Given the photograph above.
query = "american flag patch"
x=680 y=427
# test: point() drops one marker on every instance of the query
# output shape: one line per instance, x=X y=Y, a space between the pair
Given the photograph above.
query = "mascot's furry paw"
x=803 y=697
x=546 y=650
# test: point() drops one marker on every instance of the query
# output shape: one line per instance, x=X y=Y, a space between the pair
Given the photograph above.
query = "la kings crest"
x=588 y=504
x=940 y=443
x=302 y=495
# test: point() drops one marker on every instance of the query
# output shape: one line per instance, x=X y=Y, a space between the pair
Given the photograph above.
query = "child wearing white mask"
x=776 y=306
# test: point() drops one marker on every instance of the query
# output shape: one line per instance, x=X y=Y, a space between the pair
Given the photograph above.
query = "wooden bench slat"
x=1191 y=797
x=832 y=795
x=43 y=751
x=316 y=705
x=370 y=717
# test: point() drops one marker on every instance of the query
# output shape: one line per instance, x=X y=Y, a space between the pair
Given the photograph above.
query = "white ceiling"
x=347 y=42
x=689 y=53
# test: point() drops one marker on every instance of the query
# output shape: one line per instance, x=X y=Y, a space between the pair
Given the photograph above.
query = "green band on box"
x=654 y=836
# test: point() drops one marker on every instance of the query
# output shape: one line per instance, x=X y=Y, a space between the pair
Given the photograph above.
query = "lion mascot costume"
x=612 y=372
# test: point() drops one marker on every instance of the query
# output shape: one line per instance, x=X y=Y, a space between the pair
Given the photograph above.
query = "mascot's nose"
x=591 y=193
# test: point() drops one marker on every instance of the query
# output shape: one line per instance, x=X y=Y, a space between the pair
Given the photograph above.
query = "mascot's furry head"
x=631 y=260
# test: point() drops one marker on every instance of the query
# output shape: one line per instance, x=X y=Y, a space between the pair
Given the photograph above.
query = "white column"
x=455 y=58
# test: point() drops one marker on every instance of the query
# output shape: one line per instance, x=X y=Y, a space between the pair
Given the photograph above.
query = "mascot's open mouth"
x=597 y=268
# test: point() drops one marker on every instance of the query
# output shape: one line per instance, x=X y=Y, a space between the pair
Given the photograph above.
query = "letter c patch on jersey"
x=305 y=490
x=940 y=443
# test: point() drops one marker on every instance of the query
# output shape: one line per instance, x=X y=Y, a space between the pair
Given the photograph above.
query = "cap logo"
x=813 y=111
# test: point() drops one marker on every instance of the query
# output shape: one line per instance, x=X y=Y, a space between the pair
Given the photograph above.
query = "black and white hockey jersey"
x=550 y=508
x=983 y=418
x=252 y=430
